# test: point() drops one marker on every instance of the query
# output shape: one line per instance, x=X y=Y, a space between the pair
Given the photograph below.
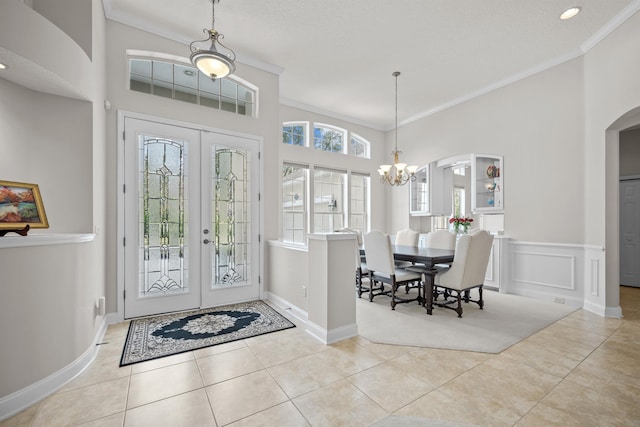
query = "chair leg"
x=480 y=300
x=459 y=308
x=394 y=287
x=371 y=285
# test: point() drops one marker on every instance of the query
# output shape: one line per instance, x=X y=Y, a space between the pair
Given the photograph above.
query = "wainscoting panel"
x=548 y=271
x=544 y=269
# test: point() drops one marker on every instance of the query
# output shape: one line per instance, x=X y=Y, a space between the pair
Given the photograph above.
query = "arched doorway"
x=612 y=211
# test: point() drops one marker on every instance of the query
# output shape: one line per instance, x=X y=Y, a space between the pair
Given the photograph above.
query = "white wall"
x=49 y=292
x=537 y=125
x=77 y=24
x=38 y=146
x=612 y=95
x=47 y=315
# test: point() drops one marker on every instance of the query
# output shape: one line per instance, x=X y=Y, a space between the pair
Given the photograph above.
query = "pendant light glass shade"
x=211 y=61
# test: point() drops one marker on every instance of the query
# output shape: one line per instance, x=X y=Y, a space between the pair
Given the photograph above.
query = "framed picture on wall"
x=21 y=206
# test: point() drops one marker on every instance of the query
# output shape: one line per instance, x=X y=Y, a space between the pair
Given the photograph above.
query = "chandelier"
x=210 y=61
x=398 y=173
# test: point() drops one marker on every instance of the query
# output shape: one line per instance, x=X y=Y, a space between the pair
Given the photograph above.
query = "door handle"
x=206 y=241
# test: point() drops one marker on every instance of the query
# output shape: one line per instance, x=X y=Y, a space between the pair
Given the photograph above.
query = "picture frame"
x=21 y=206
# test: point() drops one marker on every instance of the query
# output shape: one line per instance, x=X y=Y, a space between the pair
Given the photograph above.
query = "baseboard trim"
x=285 y=305
x=331 y=336
x=20 y=400
x=615 y=312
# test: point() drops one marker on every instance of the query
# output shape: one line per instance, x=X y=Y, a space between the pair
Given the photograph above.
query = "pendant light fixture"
x=210 y=61
x=398 y=173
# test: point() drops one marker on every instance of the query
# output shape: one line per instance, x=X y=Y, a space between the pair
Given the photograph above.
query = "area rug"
x=505 y=320
x=159 y=336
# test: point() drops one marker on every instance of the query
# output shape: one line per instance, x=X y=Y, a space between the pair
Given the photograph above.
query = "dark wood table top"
x=427 y=256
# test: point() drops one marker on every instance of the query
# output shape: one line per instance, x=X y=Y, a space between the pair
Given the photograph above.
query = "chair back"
x=407 y=237
x=379 y=253
x=470 y=261
x=358 y=243
x=441 y=239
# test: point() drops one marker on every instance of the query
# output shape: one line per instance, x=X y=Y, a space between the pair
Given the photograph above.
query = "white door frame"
x=120 y=273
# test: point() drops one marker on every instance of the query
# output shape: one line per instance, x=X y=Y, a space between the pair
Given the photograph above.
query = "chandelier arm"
x=221 y=36
x=193 y=49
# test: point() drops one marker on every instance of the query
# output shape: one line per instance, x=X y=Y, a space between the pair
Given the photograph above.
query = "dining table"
x=428 y=257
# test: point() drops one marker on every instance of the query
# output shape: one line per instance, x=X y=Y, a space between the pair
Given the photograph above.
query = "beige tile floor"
x=583 y=370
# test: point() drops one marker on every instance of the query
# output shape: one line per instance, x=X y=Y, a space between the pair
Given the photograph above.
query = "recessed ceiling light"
x=570 y=13
x=3 y=66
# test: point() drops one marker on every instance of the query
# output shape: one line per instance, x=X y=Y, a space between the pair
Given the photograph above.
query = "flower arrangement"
x=460 y=222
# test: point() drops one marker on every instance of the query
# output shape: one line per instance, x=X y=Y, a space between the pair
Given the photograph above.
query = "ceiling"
x=337 y=56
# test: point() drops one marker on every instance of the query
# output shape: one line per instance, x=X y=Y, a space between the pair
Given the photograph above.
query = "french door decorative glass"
x=162 y=181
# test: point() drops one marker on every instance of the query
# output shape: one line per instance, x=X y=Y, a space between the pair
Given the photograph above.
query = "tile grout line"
x=564 y=378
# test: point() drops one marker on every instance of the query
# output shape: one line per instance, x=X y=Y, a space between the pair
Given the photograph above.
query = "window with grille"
x=184 y=83
x=294 y=134
x=359 y=146
x=326 y=138
x=294 y=203
x=359 y=203
x=328 y=200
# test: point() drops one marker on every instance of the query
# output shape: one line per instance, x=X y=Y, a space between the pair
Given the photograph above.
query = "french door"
x=191 y=218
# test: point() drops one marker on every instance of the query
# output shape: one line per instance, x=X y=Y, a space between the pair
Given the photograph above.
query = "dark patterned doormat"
x=168 y=334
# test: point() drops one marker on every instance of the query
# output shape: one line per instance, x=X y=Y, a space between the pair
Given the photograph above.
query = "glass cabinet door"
x=431 y=192
x=487 y=183
x=419 y=192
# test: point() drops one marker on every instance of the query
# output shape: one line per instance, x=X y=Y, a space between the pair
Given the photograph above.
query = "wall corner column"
x=330 y=294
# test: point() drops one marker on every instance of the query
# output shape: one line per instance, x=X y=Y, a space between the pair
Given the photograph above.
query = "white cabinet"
x=487 y=183
x=427 y=194
x=497 y=268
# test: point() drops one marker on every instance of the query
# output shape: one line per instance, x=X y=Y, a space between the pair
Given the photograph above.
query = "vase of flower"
x=460 y=224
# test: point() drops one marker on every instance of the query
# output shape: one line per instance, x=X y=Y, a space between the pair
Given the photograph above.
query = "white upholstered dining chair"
x=406 y=237
x=441 y=239
x=382 y=269
x=467 y=271
x=362 y=272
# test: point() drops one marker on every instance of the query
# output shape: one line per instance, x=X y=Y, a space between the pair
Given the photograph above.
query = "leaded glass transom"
x=162 y=232
x=231 y=218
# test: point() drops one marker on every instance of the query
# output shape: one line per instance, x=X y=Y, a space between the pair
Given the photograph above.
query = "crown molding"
x=332 y=114
x=617 y=20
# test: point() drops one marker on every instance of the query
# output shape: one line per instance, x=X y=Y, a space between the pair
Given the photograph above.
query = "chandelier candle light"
x=398 y=173
x=210 y=61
